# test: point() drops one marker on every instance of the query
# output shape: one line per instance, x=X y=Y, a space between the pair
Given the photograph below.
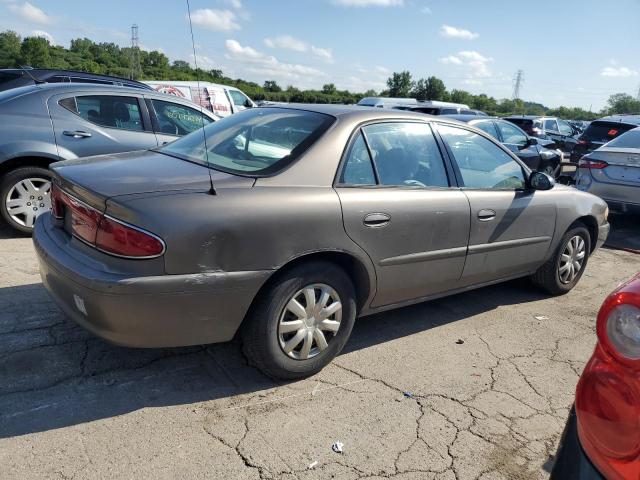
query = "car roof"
x=469 y=118
x=630 y=119
x=49 y=72
x=529 y=117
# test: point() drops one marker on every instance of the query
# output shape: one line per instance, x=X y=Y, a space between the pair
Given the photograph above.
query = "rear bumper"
x=571 y=463
x=148 y=311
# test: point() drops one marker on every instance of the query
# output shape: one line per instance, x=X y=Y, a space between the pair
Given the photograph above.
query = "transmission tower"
x=135 y=70
x=517 y=84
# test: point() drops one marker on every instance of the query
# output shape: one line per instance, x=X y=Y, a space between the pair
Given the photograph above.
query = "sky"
x=572 y=52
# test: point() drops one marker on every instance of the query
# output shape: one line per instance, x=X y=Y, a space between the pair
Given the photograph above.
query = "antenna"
x=135 y=70
x=212 y=191
x=517 y=84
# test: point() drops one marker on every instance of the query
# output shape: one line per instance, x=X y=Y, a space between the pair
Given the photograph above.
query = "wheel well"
x=592 y=226
x=19 y=162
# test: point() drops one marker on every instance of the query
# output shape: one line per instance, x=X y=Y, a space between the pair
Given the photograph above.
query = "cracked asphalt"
x=475 y=386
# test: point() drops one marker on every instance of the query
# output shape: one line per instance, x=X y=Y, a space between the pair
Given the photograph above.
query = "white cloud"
x=219 y=20
x=426 y=10
x=30 y=13
x=448 y=31
x=43 y=34
x=287 y=42
x=618 y=72
x=237 y=4
x=369 y=3
x=475 y=64
x=268 y=66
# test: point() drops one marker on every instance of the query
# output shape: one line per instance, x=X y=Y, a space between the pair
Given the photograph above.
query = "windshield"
x=258 y=141
x=603 y=131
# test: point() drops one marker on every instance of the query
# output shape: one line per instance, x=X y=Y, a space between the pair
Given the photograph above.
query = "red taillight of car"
x=608 y=394
x=582 y=142
x=120 y=239
x=592 y=164
x=103 y=232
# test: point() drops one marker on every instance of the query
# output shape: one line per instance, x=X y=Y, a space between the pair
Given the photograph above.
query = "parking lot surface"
x=475 y=386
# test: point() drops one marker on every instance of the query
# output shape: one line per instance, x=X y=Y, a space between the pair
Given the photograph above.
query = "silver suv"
x=51 y=122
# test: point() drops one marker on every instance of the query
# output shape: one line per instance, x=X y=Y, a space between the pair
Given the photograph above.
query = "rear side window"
x=110 y=111
x=176 y=119
x=482 y=164
x=630 y=139
x=603 y=131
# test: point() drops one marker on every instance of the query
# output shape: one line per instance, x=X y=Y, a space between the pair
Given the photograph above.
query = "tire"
x=549 y=276
x=23 y=222
x=550 y=170
x=261 y=334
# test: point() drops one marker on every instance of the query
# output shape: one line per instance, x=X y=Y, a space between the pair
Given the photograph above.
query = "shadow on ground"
x=625 y=232
x=53 y=374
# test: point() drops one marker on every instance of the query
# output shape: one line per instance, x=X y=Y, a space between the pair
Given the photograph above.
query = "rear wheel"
x=565 y=268
x=25 y=194
x=300 y=322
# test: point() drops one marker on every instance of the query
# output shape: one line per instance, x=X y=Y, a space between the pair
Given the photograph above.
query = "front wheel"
x=301 y=321
x=565 y=268
x=25 y=194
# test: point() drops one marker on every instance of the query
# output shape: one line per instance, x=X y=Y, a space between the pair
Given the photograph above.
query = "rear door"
x=511 y=226
x=98 y=123
x=401 y=205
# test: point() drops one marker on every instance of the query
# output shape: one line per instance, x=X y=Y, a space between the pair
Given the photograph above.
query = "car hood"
x=95 y=179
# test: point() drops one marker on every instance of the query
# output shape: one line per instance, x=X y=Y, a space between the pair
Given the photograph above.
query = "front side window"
x=110 y=111
x=487 y=127
x=482 y=164
x=512 y=134
x=239 y=98
x=176 y=119
x=565 y=128
x=551 y=125
x=258 y=141
x=406 y=154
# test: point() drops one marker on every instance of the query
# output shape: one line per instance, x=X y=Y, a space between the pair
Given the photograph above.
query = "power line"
x=135 y=70
x=517 y=84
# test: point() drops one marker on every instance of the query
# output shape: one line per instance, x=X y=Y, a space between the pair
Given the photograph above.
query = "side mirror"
x=541 y=181
x=532 y=141
x=248 y=104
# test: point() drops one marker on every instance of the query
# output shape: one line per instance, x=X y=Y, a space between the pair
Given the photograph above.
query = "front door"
x=518 y=142
x=96 y=124
x=511 y=226
x=399 y=206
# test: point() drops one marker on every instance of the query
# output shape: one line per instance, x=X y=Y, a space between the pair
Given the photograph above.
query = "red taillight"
x=123 y=240
x=608 y=394
x=582 y=142
x=592 y=164
x=103 y=232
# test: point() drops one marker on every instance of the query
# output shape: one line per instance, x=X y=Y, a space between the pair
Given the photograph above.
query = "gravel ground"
x=489 y=377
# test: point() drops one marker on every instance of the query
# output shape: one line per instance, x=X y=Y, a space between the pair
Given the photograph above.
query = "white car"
x=222 y=100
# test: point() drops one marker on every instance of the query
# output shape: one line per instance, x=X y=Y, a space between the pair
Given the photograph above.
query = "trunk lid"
x=623 y=165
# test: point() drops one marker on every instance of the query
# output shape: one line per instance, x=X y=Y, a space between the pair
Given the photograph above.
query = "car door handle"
x=76 y=134
x=376 y=219
x=486 y=214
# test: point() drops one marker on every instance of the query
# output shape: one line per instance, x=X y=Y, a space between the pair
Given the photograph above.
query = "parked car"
x=386 y=102
x=222 y=100
x=612 y=172
x=60 y=121
x=548 y=128
x=602 y=435
x=286 y=223
x=528 y=149
x=602 y=131
x=22 y=77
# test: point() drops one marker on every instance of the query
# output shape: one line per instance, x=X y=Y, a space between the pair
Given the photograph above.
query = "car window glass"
x=110 y=111
x=357 y=168
x=448 y=111
x=511 y=134
x=630 y=139
x=467 y=112
x=487 y=127
x=565 y=128
x=406 y=154
x=551 y=125
x=176 y=119
x=239 y=99
x=482 y=164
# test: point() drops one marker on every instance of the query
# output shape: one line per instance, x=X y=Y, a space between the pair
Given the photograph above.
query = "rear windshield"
x=603 y=131
x=631 y=139
x=258 y=141
x=8 y=76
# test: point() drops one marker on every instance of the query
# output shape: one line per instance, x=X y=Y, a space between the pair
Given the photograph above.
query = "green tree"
x=461 y=96
x=435 y=89
x=420 y=90
x=9 y=49
x=400 y=84
x=34 y=52
x=329 y=89
x=271 y=86
x=622 y=103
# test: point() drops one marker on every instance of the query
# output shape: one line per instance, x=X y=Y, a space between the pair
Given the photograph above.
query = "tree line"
x=108 y=58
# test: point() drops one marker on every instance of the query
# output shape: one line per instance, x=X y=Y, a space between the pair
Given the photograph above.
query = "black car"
x=548 y=128
x=21 y=77
x=538 y=154
x=602 y=131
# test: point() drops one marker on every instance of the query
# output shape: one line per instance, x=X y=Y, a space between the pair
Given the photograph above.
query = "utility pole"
x=517 y=84
x=135 y=70
x=638 y=94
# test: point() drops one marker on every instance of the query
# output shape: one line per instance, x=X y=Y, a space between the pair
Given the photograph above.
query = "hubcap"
x=572 y=259
x=28 y=199
x=310 y=321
